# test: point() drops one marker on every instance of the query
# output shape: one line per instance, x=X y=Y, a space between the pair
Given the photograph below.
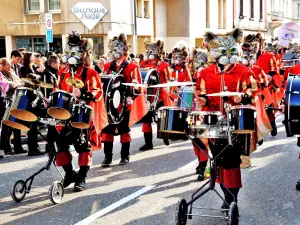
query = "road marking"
x=187 y=166
x=117 y=204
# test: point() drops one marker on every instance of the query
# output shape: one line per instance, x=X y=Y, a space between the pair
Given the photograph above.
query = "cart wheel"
x=19 y=191
x=233 y=214
x=56 y=192
x=181 y=212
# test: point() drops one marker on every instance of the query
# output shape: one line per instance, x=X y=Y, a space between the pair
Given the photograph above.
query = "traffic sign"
x=49 y=36
x=48 y=21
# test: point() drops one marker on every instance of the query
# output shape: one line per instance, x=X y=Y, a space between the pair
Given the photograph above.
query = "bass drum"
x=152 y=78
x=292 y=106
x=114 y=97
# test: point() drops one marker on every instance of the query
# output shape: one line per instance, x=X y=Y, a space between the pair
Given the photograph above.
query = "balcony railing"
x=277 y=15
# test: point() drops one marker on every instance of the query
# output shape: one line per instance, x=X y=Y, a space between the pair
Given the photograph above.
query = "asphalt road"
x=147 y=190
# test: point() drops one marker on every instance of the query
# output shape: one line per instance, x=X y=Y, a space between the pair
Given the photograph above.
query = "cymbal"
x=42 y=84
x=135 y=85
x=172 y=84
x=225 y=94
x=74 y=82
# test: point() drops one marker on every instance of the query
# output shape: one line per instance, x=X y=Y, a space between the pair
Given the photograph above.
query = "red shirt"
x=180 y=74
x=236 y=78
x=92 y=82
x=161 y=66
x=267 y=62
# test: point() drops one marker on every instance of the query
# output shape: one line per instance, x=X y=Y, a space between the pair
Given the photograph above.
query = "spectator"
x=141 y=57
x=132 y=56
x=15 y=58
x=38 y=65
x=13 y=81
x=50 y=73
x=99 y=67
x=27 y=65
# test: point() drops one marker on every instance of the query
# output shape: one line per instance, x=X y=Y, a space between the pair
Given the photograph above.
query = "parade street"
x=147 y=190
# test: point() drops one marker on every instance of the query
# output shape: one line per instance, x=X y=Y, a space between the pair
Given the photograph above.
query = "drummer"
x=225 y=75
x=89 y=85
x=120 y=66
x=154 y=52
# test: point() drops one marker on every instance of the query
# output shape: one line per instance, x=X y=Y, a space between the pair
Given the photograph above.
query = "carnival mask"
x=179 y=55
x=249 y=52
x=223 y=49
x=153 y=50
x=118 y=46
x=199 y=59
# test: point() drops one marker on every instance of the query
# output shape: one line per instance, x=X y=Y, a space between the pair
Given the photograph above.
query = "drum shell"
x=81 y=116
x=292 y=106
x=112 y=84
x=15 y=123
x=242 y=119
x=22 y=104
x=61 y=105
x=172 y=120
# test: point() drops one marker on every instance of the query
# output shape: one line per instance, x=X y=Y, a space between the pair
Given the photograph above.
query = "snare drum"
x=242 y=119
x=61 y=104
x=186 y=98
x=205 y=124
x=152 y=78
x=172 y=120
x=81 y=116
x=22 y=107
x=114 y=97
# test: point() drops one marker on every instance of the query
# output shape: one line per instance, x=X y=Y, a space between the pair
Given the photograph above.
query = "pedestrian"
x=27 y=65
x=15 y=58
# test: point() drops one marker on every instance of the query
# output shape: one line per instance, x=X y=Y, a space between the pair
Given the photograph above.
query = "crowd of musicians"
x=231 y=63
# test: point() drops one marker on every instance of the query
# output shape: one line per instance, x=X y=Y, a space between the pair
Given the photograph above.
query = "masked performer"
x=267 y=62
x=118 y=49
x=263 y=127
x=199 y=61
x=225 y=75
x=154 y=53
x=78 y=58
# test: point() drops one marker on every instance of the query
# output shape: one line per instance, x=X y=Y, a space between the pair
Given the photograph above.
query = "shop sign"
x=89 y=13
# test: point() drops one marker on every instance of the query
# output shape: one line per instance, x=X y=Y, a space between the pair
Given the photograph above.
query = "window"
x=54 y=5
x=261 y=16
x=207 y=13
x=251 y=9
x=139 y=9
x=298 y=10
x=222 y=14
x=33 y=5
x=146 y=9
x=241 y=8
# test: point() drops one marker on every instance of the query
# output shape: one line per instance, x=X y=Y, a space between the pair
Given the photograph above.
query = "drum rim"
x=87 y=106
x=242 y=107
x=24 y=88
x=173 y=108
x=66 y=92
x=218 y=113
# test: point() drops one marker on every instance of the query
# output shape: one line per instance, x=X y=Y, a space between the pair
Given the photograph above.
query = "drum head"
x=15 y=125
x=80 y=125
x=152 y=77
x=23 y=115
x=59 y=113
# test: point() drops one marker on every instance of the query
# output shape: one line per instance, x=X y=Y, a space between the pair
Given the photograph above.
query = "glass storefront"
x=98 y=49
x=39 y=44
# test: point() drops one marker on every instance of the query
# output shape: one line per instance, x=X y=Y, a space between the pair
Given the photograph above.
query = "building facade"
x=24 y=26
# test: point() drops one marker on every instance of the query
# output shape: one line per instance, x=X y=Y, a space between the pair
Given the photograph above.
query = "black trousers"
x=6 y=132
x=118 y=129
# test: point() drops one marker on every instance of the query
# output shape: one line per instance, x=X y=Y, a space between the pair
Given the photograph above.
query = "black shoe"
x=35 y=152
x=166 y=141
x=298 y=185
x=274 y=128
x=224 y=207
x=1 y=154
x=79 y=185
x=124 y=161
x=146 y=147
x=20 y=151
x=260 y=142
x=200 y=177
x=69 y=178
x=10 y=152
x=106 y=162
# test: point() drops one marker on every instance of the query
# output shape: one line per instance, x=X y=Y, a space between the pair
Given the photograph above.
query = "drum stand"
x=56 y=191
x=185 y=208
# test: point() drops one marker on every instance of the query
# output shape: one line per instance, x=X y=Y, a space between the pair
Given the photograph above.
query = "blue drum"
x=23 y=103
x=81 y=116
x=186 y=98
x=143 y=74
x=292 y=106
x=61 y=104
x=172 y=120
